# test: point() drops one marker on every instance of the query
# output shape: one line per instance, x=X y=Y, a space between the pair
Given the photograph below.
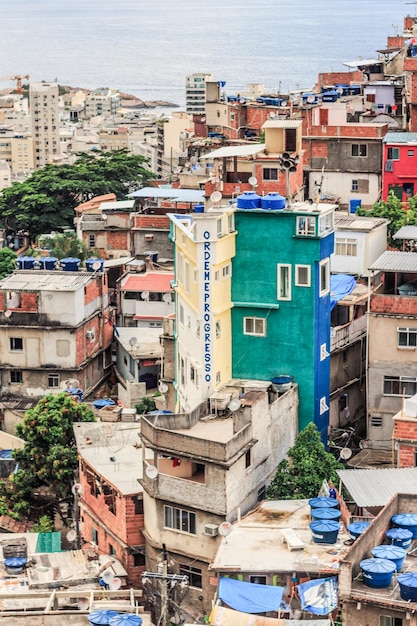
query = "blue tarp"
x=341 y=285
x=319 y=596
x=250 y=597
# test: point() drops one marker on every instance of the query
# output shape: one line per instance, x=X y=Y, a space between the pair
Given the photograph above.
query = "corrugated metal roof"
x=375 y=487
x=231 y=151
x=177 y=195
x=31 y=280
x=399 y=137
x=282 y=124
x=406 y=232
x=357 y=222
x=362 y=62
x=395 y=262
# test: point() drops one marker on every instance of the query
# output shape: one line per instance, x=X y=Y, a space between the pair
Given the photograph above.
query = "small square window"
x=16 y=376
x=16 y=344
x=53 y=380
x=302 y=276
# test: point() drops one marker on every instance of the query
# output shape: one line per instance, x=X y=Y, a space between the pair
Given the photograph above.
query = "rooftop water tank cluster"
x=70 y=264
x=355 y=529
x=251 y=200
x=325 y=514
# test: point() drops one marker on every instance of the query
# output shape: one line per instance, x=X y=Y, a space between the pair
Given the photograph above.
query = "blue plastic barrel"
x=71 y=264
x=400 y=537
x=199 y=208
x=357 y=528
x=26 y=262
x=101 y=617
x=323 y=502
x=100 y=404
x=126 y=619
x=392 y=553
x=408 y=586
x=326 y=514
x=273 y=201
x=153 y=255
x=354 y=205
x=406 y=520
x=76 y=393
x=377 y=573
x=94 y=265
x=48 y=262
x=325 y=531
x=280 y=384
x=15 y=564
x=249 y=200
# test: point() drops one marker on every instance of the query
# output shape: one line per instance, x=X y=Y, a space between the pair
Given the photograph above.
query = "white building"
x=44 y=110
x=195 y=92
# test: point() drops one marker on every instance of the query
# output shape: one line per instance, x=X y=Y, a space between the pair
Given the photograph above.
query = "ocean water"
x=147 y=47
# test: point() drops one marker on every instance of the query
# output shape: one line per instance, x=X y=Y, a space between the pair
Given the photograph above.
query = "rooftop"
x=149 y=281
x=375 y=487
x=260 y=532
x=140 y=342
x=176 y=195
x=358 y=222
x=33 y=280
x=395 y=262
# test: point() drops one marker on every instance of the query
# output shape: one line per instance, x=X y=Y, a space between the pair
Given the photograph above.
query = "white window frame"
x=409 y=333
x=187 y=277
x=55 y=379
x=175 y=518
x=306 y=225
x=324 y=285
x=284 y=281
x=254 y=326
x=219 y=228
x=179 y=266
x=91 y=240
x=298 y=282
x=346 y=246
x=325 y=223
x=391 y=379
x=361 y=149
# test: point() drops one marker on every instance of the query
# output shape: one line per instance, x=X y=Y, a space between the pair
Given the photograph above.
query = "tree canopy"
x=46 y=200
x=308 y=464
x=67 y=244
x=49 y=457
x=7 y=261
x=393 y=209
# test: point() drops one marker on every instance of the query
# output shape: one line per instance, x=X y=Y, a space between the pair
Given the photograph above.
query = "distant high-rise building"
x=102 y=101
x=195 y=92
x=44 y=111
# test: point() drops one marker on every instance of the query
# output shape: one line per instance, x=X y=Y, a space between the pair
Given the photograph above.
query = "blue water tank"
x=323 y=502
x=15 y=564
x=356 y=529
x=48 y=262
x=26 y=262
x=400 y=537
x=100 y=617
x=249 y=200
x=392 y=553
x=76 y=393
x=94 y=265
x=408 y=586
x=199 y=208
x=100 y=404
x=273 y=201
x=70 y=264
x=325 y=531
x=354 y=204
x=280 y=384
x=330 y=96
x=153 y=255
x=377 y=573
x=326 y=513
x=406 y=520
x=127 y=619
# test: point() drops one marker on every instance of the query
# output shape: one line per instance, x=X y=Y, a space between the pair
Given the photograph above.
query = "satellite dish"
x=144 y=295
x=234 y=404
x=339 y=90
x=108 y=575
x=311 y=99
x=76 y=489
x=8 y=313
x=216 y=196
x=253 y=181
x=345 y=453
x=225 y=529
x=115 y=584
x=284 y=103
x=162 y=387
x=133 y=341
x=167 y=297
x=151 y=471
x=71 y=536
x=96 y=265
x=242 y=100
x=83 y=604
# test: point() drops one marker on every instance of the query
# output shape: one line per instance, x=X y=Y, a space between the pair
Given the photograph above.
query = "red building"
x=400 y=165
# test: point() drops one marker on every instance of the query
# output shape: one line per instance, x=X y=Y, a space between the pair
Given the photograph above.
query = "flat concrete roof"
x=140 y=342
x=176 y=195
x=255 y=543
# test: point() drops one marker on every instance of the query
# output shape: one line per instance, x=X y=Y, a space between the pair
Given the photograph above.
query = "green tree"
x=46 y=200
x=308 y=464
x=393 y=210
x=7 y=261
x=67 y=244
x=48 y=458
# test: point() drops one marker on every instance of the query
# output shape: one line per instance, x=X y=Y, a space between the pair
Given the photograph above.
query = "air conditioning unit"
x=90 y=335
x=212 y=530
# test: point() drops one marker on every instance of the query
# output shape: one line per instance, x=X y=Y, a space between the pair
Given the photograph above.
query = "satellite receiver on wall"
x=162 y=387
x=345 y=453
x=215 y=197
x=253 y=181
x=96 y=265
x=8 y=313
x=151 y=471
x=234 y=405
x=133 y=341
x=167 y=297
x=225 y=528
x=71 y=536
x=145 y=295
x=76 y=489
x=115 y=584
x=107 y=575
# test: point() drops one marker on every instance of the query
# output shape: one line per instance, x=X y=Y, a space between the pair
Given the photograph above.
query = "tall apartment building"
x=43 y=98
x=17 y=150
x=195 y=92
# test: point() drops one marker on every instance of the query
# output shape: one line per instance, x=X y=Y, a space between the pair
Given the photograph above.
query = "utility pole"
x=164 y=588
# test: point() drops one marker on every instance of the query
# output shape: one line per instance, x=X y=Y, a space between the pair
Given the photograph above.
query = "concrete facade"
x=44 y=112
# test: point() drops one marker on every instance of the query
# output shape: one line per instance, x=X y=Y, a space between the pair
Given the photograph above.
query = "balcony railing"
x=346 y=335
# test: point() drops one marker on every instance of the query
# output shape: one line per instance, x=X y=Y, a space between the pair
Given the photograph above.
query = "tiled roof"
x=151 y=281
x=400 y=138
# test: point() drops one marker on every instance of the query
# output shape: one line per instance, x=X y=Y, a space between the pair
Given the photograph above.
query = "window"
x=410 y=153
x=193 y=375
x=16 y=344
x=187 y=276
x=94 y=536
x=258 y=580
x=284 y=282
x=218 y=377
x=261 y=495
x=407 y=337
x=195 y=578
x=219 y=228
x=325 y=223
x=359 y=150
x=397 y=385
x=53 y=380
x=247 y=458
x=227 y=271
x=181 y=314
x=180 y=519
x=112 y=550
x=302 y=276
x=16 y=376
x=388 y=620
x=306 y=226
x=138 y=503
x=393 y=154
x=254 y=326
x=230 y=223
x=179 y=267
x=270 y=173
x=91 y=241
x=346 y=247
x=138 y=560
x=218 y=330
x=324 y=277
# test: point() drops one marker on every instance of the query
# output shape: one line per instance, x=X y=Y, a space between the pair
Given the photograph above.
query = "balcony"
x=343 y=336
